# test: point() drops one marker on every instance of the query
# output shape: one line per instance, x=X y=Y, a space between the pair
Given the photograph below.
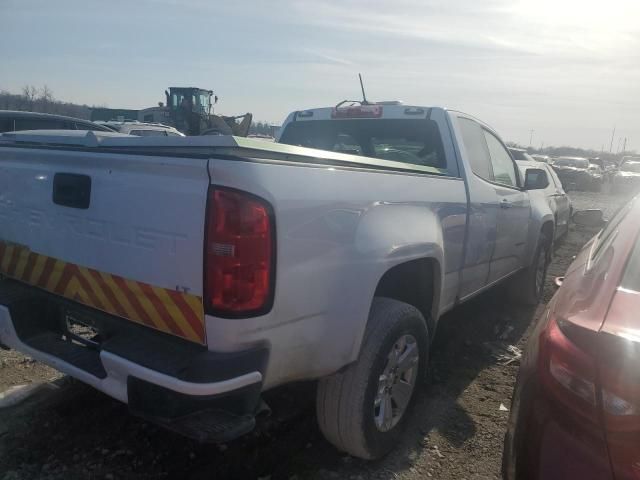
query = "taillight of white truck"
x=239 y=257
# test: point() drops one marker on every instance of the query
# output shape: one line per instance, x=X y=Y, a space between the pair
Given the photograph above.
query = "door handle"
x=504 y=203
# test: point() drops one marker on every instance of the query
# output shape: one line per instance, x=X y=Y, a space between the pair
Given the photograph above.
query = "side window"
x=39 y=124
x=6 y=125
x=476 y=147
x=504 y=170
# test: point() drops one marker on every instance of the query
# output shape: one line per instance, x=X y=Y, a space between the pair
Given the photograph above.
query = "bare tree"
x=30 y=93
x=46 y=99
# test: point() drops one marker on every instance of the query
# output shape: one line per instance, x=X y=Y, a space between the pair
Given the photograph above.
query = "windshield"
x=416 y=142
x=572 y=162
x=631 y=167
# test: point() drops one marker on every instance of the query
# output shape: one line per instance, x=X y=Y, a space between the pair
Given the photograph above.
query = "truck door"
x=483 y=208
x=513 y=215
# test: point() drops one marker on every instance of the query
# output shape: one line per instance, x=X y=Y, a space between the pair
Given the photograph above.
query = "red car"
x=576 y=405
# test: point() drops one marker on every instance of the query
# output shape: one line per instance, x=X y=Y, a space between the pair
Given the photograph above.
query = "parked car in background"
x=629 y=158
x=575 y=411
x=520 y=154
x=627 y=177
x=541 y=158
x=261 y=136
x=142 y=129
x=553 y=197
x=13 y=121
x=576 y=173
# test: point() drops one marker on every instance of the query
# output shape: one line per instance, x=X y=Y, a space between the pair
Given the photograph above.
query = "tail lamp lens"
x=239 y=253
x=567 y=372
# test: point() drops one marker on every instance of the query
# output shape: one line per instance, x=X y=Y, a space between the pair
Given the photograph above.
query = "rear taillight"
x=567 y=372
x=602 y=387
x=239 y=254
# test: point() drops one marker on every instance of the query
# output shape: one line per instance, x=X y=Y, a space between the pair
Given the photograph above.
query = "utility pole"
x=624 y=147
x=619 y=144
x=531 y=137
x=613 y=134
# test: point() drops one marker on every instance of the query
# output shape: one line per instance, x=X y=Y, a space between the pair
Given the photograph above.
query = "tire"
x=346 y=401
x=528 y=286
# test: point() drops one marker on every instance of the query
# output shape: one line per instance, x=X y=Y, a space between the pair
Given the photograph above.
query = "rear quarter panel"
x=338 y=231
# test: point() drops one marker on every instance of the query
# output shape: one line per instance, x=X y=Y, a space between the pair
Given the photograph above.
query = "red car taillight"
x=567 y=372
x=239 y=254
x=602 y=387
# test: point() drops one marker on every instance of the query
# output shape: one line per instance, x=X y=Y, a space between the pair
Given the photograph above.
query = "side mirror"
x=535 y=179
x=589 y=218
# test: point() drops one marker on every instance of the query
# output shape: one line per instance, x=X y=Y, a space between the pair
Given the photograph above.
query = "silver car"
x=554 y=195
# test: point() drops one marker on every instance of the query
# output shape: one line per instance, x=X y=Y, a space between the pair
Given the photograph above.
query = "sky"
x=567 y=69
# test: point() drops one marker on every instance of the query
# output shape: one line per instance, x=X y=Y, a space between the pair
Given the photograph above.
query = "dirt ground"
x=70 y=431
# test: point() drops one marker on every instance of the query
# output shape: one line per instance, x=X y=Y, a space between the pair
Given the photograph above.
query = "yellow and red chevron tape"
x=169 y=311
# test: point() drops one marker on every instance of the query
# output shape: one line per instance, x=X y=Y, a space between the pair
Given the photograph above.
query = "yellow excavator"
x=190 y=111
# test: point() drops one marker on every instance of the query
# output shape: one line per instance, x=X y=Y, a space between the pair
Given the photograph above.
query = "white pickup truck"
x=186 y=276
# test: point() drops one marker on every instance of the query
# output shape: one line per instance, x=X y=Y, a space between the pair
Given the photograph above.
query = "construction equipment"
x=191 y=111
x=188 y=109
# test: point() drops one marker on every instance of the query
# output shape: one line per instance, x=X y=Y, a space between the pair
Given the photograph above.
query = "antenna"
x=364 y=96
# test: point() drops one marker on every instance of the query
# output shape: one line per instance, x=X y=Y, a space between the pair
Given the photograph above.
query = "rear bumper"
x=543 y=443
x=164 y=379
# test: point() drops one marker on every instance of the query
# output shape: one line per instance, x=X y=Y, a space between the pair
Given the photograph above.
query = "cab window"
x=504 y=169
x=476 y=146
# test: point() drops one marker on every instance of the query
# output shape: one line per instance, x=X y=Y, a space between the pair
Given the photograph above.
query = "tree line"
x=41 y=100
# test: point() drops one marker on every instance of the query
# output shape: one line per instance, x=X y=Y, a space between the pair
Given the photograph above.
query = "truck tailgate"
x=121 y=233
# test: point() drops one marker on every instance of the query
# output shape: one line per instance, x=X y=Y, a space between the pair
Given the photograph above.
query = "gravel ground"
x=70 y=431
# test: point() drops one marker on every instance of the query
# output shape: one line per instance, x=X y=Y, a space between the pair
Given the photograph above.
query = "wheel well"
x=414 y=283
x=547 y=230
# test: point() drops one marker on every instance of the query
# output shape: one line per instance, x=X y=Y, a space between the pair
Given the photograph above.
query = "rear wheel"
x=363 y=410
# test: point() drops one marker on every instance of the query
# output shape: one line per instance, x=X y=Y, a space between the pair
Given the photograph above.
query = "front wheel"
x=528 y=286
x=363 y=410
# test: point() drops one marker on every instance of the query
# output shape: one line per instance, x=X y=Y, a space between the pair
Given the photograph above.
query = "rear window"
x=631 y=277
x=416 y=142
x=610 y=231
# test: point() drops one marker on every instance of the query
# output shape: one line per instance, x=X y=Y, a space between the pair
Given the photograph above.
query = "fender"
x=391 y=234
x=540 y=214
